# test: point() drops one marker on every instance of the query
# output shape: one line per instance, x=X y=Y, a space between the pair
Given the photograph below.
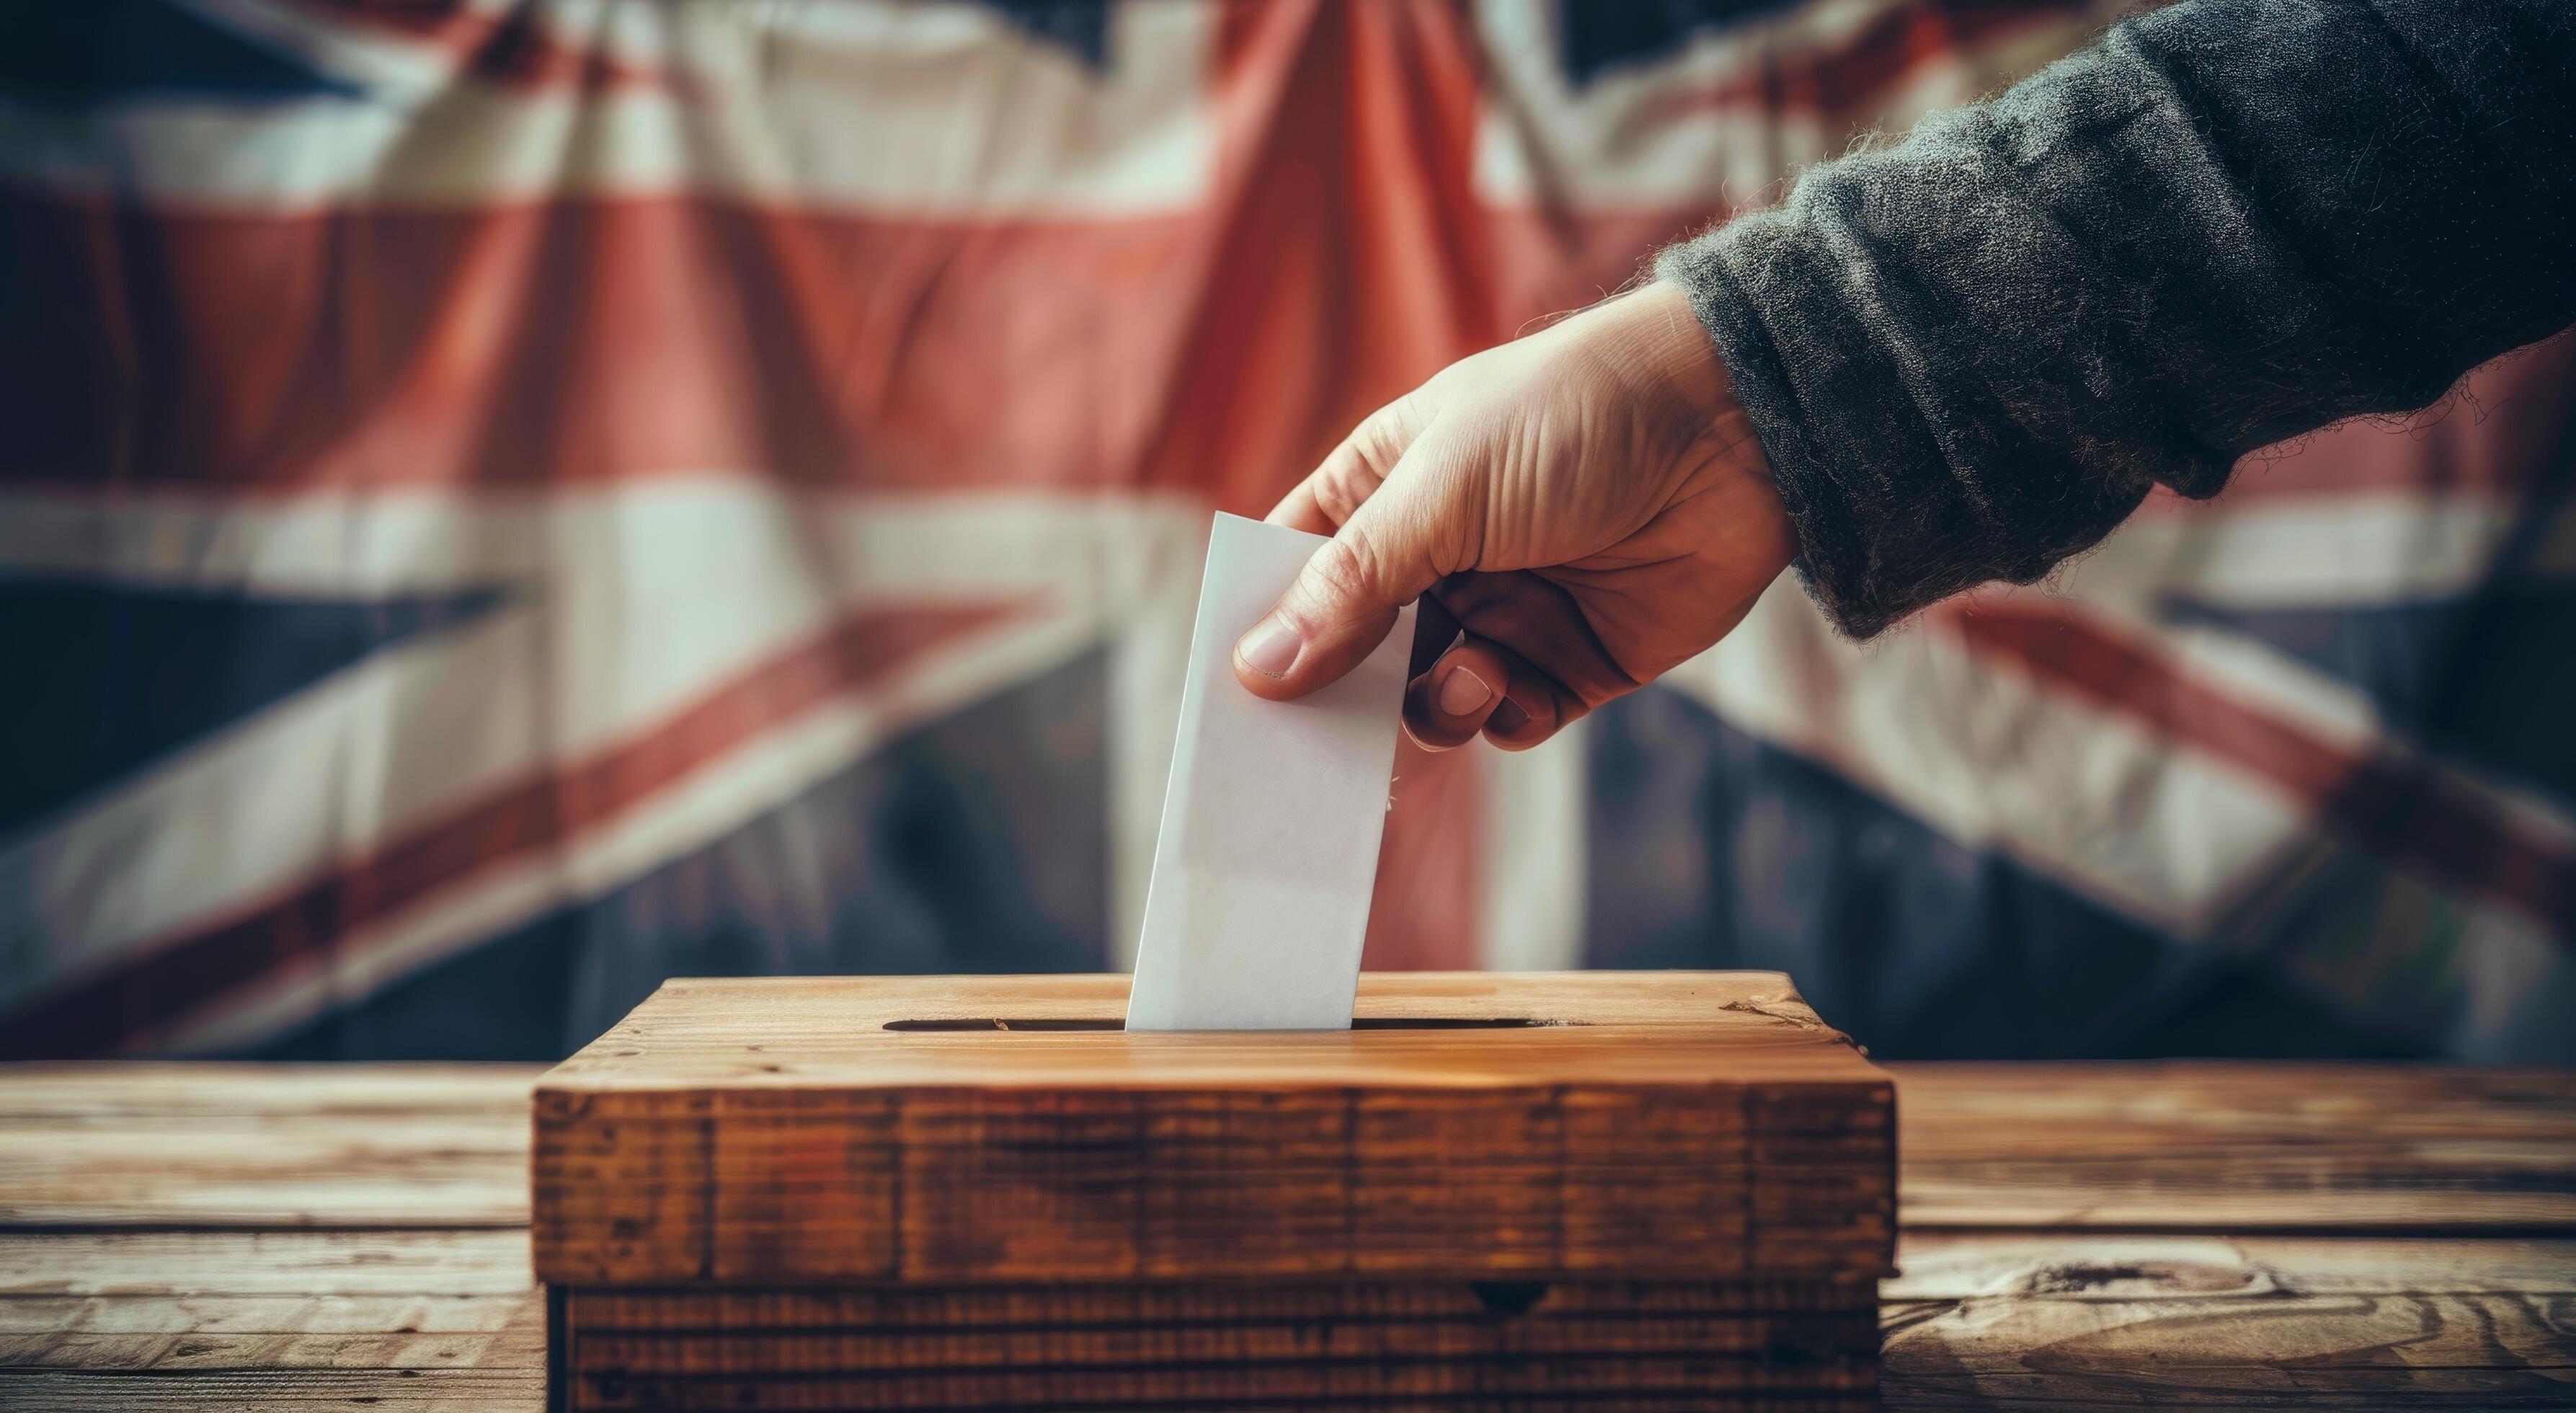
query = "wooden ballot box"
x=1593 y=1190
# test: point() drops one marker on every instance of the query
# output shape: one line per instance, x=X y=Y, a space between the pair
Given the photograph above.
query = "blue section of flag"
x=1080 y=27
x=972 y=845
x=129 y=674
x=2459 y=675
x=1710 y=848
x=1597 y=36
x=83 y=52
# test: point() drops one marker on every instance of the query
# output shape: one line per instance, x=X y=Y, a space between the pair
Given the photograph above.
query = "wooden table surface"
x=2107 y=1236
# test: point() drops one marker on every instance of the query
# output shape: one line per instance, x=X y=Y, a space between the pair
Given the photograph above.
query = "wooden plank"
x=801 y=1353
x=2221 y=1147
x=517 y=1341
x=248 y=1390
x=1979 y=1290
x=2023 y=1135
x=263 y=1145
x=2081 y=1265
x=948 y=1130
x=444 y=1319
x=338 y=1263
x=2316 y=1351
x=2017 y=1316
x=1469 y=1030
x=1295 y=1304
x=134 y=1091
x=1543 y=1364
x=2085 y=1320
x=229 y=1315
x=302 y=1173
x=1539 y=1386
x=2176 y=1146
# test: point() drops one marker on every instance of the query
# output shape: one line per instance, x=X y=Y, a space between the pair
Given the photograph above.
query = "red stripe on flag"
x=1353 y=264
x=1339 y=258
x=580 y=341
x=1428 y=912
x=2399 y=807
x=166 y=982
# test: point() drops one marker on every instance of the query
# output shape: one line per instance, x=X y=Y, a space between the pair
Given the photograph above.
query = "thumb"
x=1344 y=600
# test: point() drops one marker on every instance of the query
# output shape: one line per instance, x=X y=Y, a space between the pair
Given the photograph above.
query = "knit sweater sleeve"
x=1971 y=354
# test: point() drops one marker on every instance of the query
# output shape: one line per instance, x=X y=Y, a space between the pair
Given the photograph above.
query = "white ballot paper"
x=1268 y=853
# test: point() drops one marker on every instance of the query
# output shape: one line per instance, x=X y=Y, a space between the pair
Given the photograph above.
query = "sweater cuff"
x=1737 y=278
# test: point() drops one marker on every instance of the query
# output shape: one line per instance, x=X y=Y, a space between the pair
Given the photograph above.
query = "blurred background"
x=502 y=502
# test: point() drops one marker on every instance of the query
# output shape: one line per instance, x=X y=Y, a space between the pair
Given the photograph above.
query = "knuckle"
x=1337 y=497
x=1360 y=465
x=1344 y=569
x=1378 y=444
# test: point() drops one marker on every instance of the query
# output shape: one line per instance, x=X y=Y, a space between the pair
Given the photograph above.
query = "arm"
x=1962 y=358
x=1971 y=355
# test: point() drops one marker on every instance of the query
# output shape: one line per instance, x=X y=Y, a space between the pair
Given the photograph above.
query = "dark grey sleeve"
x=1971 y=354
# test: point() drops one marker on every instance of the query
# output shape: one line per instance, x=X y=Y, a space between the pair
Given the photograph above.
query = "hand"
x=1578 y=512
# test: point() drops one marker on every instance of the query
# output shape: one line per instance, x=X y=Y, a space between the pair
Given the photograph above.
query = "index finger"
x=1354 y=470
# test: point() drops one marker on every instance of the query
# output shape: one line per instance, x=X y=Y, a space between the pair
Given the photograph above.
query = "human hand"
x=1578 y=511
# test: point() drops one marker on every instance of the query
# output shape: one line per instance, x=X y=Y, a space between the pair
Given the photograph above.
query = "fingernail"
x=1461 y=692
x=1507 y=718
x=1271 y=647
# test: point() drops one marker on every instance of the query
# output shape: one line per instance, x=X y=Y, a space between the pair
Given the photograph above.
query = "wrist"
x=1689 y=419
x=1654 y=342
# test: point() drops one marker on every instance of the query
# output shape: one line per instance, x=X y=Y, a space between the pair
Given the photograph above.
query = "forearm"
x=1971 y=355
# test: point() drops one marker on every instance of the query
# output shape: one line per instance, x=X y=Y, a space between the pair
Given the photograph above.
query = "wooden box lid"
x=959 y=1130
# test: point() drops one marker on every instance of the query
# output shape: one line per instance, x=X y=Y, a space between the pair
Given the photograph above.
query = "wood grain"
x=1621 y=1382
x=105 y=1144
x=329 y=1334
x=2388 y=1352
x=865 y=1033
x=235 y=1315
x=2182 y=1146
x=1976 y=1319
x=1995 y=1283
x=165 y=1263
x=1139 y=1346
x=2077 y=1320
x=2080 y=1265
x=955 y=1130
x=2215 y=1147
x=127 y=1092
x=246 y=1390
x=1555 y=1191
x=131 y=1319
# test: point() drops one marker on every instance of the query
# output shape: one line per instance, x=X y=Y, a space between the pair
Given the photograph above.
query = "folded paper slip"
x=1268 y=851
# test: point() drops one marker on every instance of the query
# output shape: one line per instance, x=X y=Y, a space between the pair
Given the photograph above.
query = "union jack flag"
x=509 y=500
